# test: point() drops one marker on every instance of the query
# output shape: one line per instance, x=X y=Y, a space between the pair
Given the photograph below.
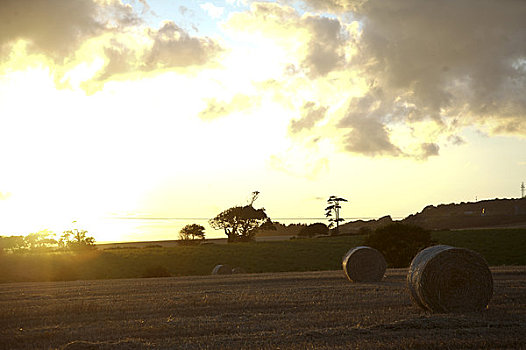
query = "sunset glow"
x=153 y=110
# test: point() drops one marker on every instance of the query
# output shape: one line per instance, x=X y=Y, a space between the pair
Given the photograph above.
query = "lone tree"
x=192 y=232
x=76 y=240
x=240 y=223
x=334 y=209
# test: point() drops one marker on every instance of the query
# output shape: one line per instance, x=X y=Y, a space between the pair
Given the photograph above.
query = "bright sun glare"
x=179 y=110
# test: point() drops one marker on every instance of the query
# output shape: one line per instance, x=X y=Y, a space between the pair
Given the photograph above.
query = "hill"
x=482 y=214
x=487 y=213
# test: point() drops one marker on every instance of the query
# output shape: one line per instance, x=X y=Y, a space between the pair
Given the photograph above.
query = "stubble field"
x=291 y=310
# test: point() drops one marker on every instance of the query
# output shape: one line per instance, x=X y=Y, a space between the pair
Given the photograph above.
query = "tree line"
x=242 y=222
x=239 y=223
x=45 y=240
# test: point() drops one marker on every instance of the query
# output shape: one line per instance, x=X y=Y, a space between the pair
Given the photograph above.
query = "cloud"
x=325 y=49
x=446 y=65
x=169 y=47
x=360 y=72
x=173 y=47
x=218 y=108
x=212 y=10
x=368 y=136
x=319 y=41
x=429 y=150
x=146 y=7
x=58 y=27
x=310 y=114
x=456 y=140
x=462 y=61
x=108 y=31
x=319 y=62
x=335 y=6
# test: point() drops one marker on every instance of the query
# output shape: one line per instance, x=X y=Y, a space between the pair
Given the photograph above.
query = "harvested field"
x=298 y=310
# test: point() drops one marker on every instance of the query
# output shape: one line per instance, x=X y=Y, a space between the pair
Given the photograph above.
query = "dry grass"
x=308 y=310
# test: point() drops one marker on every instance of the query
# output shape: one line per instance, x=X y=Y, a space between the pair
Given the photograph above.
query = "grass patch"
x=499 y=247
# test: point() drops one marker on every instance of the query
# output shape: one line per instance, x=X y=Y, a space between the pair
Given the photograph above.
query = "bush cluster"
x=399 y=243
x=314 y=230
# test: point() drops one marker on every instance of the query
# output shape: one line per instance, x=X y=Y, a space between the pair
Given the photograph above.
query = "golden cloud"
x=218 y=108
x=107 y=35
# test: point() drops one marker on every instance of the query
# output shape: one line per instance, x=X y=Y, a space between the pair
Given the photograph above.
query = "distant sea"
x=122 y=229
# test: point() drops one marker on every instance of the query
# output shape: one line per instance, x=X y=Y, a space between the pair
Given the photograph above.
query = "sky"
x=161 y=108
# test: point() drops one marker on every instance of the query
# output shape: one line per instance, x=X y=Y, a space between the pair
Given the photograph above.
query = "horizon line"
x=275 y=219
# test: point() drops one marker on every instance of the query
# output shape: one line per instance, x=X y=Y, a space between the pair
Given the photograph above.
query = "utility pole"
x=522 y=190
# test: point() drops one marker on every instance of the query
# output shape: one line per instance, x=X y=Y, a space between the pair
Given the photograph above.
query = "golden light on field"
x=155 y=109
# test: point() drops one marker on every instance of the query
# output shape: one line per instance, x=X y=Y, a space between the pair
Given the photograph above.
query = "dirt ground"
x=308 y=310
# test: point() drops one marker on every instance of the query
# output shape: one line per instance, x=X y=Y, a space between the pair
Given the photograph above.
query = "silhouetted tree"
x=399 y=243
x=191 y=232
x=77 y=240
x=41 y=239
x=240 y=223
x=334 y=208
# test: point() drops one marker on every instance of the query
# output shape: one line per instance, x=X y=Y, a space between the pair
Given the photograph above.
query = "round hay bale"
x=222 y=270
x=238 y=269
x=364 y=264
x=442 y=278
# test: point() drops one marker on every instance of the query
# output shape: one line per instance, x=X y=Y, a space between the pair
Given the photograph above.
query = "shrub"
x=313 y=230
x=192 y=232
x=399 y=243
